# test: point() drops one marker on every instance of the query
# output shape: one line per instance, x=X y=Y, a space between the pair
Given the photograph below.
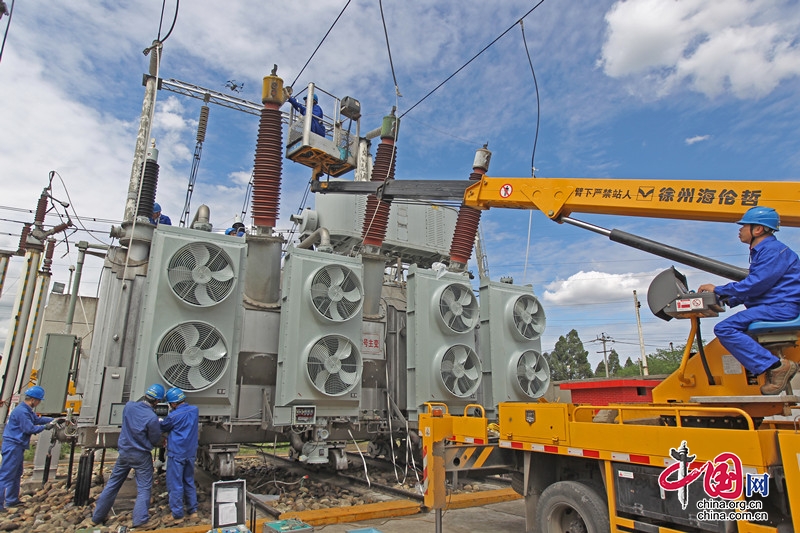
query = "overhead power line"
x=320 y=43
x=462 y=67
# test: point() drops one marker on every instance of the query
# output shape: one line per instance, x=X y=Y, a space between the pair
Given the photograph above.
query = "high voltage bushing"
x=149 y=184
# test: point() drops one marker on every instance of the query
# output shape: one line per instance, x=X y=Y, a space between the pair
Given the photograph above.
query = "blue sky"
x=697 y=89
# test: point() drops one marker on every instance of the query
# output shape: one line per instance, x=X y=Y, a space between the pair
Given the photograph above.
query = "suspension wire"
x=462 y=67
x=389 y=49
x=8 y=25
x=533 y=154
x=536 y=84
x=320 y=43
x=247 y=194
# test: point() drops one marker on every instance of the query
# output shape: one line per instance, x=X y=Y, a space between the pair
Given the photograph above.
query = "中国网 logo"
x=724 y=482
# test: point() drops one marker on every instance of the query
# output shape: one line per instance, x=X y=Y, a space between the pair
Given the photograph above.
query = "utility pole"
x=636 y=306
x=602 y=338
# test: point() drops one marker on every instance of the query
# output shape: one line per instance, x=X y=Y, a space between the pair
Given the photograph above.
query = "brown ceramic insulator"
x=268 y=165
x=466 y=227
x=23 y=239
x=41 y=209
x=51 y=246
x=464 y=236
x=376 y=217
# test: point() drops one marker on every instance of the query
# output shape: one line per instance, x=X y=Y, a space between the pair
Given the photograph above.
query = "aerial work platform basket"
x=336 y=152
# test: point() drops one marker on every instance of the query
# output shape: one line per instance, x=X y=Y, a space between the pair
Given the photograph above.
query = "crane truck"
x=710 y=453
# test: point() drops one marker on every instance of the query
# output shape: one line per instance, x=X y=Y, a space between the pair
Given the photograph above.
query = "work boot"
x=171 y=520
x=150 y=525
x=778 y=378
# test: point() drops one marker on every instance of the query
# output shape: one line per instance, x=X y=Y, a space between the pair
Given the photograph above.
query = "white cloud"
x=743 y=47
x=696 y=139
x=596 y=287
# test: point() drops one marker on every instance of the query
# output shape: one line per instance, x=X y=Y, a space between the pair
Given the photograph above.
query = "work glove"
x=50 y=425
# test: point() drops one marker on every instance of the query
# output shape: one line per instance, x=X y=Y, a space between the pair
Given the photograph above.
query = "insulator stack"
x=464 y=236
x=468 y=218
x=268 y=166
x=147 y=196
x=48 y=255
x=202 y=124
x=376 y=218
x=23 y=239
x=41 y=209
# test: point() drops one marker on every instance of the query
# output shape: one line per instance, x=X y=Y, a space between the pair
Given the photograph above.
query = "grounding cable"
x=363 y=461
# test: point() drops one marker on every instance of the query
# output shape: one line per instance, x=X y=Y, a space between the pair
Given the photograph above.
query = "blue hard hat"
x=35 y=392
x=156 y=208
x=155 y=392
x=175 y=395
x=762 y=216
x=316 y=100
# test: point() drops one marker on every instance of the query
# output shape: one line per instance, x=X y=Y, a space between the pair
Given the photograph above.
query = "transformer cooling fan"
x=461 y=370
x=336 y=292
x=528 y=317
x=458 y=308
x=533 y=374
x=192 y=356
x=201 y=274
x=334 y=365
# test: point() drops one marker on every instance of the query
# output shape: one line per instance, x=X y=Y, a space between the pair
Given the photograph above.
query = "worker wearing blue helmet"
x=770 y=292
x=140 y=433
x=22 y=423
x=316 y=114
x=181 y=426
x=158 y=217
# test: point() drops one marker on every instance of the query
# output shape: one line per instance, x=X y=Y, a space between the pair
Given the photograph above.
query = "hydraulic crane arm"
x=718 y=201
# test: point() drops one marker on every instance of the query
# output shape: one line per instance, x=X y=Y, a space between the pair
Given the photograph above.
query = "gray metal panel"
x=53 y=375
x=417 y=233
x=302 y=326
x=113 y=385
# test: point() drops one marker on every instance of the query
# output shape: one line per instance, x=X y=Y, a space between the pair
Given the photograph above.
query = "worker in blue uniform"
x=770 y=292
x=159 y=218
x=238 y=229
x=181 y=426
x=140 y=433
x=316 y=114
x=22 y=423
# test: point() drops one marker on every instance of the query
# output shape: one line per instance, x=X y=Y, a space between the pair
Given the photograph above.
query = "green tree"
x=630 y=369
x=569 y=360
x=665 y=361
x=613 y=365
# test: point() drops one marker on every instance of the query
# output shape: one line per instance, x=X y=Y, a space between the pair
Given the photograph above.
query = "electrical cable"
x=536 y=84
x=389 y=49
x=71 y=204
x=5 y=34
x=174 y=20
x=462 y=67
x=320 y=43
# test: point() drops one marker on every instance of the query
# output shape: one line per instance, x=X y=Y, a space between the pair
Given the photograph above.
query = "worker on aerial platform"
x=316 y=112
x=770 y=292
